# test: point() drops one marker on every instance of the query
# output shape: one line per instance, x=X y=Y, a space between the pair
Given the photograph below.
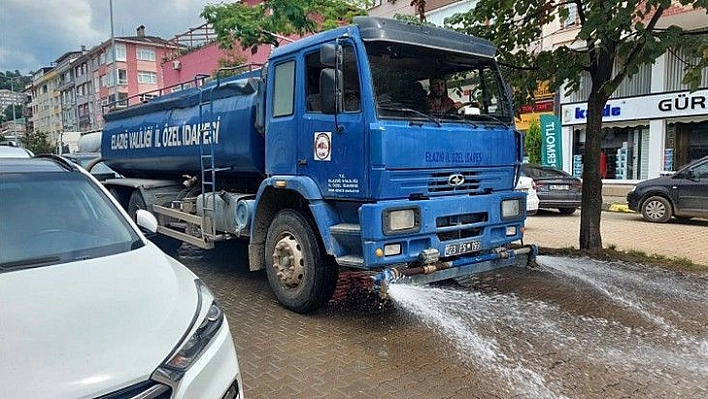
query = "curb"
x=617 y=207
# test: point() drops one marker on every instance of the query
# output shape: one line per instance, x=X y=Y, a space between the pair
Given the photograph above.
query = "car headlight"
x=206 y=324
x=401 y=220
x=511 y=208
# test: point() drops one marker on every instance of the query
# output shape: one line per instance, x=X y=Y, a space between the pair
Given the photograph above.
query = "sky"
x=34 y=33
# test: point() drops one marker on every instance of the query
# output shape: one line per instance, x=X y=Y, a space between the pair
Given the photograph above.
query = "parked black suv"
x=682 y=195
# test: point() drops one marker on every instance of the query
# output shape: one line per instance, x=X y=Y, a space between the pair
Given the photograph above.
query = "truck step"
x=346 y=229
x=351 y=261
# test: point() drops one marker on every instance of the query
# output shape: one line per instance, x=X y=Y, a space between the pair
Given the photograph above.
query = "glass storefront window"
x=624 y=156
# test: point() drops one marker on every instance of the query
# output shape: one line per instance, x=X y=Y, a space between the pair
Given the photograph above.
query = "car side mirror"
x=146 y=221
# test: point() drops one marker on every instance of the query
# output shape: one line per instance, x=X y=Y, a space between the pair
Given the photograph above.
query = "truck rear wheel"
x=299 y=271
x=166 y=244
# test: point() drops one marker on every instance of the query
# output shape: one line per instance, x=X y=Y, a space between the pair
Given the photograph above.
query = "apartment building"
x=66 y=88
x=9 y=97
x=197 y=53
x=45 y=103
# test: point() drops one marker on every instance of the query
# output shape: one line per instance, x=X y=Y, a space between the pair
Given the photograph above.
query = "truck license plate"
x=462 y=248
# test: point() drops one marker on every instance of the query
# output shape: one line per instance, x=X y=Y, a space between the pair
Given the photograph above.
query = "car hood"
x=657 y=181
x=87 y=328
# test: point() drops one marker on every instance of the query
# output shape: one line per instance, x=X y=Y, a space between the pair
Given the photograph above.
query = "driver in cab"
x=438 y=100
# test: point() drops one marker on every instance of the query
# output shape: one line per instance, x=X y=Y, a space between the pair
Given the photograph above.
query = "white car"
x=9 y=151
x=89 y=307
x=527 y=185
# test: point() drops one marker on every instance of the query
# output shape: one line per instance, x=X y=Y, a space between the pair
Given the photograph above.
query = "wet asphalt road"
x=576 y=329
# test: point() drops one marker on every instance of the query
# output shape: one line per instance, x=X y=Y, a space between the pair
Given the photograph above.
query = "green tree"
x=38 y=143
x=14 y=80
x=615 y=38
x=251 y=26
x=7 y=112
x=532 y=142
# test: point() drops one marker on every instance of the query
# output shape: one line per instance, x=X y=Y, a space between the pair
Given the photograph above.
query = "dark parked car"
x=91 y=162
x=555 y=188
x=682 y=195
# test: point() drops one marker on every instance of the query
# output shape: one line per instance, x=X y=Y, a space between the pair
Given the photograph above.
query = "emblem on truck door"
x=455 y=179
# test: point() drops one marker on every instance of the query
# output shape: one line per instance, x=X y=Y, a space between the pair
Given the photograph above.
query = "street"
x=574 y=328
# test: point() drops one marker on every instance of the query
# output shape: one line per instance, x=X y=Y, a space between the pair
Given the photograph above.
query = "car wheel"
x=656 y=209
x=299 y=272
x=566 y=211
x=166 y=244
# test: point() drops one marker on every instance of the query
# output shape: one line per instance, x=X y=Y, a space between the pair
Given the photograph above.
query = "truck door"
x=331 y=149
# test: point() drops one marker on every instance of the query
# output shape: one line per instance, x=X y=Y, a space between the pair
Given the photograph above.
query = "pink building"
x=197 y=52
x=100 y=81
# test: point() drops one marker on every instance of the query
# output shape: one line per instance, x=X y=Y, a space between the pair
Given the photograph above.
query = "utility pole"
x=115 y=61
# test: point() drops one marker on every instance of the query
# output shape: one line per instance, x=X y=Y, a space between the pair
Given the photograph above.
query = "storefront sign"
x=655 y=106
x=523 y=122
x=551 y=143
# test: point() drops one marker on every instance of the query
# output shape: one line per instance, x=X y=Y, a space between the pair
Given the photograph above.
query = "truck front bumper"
x=455 y=229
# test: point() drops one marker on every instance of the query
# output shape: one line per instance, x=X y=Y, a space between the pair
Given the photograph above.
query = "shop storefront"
x=641 y=136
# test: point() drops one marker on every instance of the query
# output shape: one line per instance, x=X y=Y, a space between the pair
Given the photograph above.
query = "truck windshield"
x=413 y=82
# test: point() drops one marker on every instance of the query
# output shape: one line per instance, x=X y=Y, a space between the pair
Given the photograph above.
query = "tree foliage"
x=613 y=41
x=38 y=143
x=14 y=80
x=251 y=26
x=532 y=142
x=7 y=112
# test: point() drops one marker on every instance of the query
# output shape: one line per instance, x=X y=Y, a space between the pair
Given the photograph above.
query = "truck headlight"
x=511 y=208
x=401 y=220
x=205 y=325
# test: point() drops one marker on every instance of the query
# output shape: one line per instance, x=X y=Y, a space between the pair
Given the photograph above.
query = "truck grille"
x=476 y=181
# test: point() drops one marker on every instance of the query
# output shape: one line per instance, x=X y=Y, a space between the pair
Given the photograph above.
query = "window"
x=283 y=99
x=122 y=77
x=572 y=14
x=351 y=82
x=147 y=77
x=145 y=54
x=120 y=53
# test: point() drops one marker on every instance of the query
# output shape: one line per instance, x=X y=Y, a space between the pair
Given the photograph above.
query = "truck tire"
x=656 y=209
x=166 y=244
x=299 y=272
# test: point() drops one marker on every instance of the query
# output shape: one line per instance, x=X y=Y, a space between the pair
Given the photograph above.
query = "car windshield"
x=48 y=218
x=538 y=172
x=411 y=82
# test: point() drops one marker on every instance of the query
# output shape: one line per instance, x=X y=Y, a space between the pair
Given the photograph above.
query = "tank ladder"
x=208 y=166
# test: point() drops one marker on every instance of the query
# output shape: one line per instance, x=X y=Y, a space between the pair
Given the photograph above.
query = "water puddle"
x=538 y=348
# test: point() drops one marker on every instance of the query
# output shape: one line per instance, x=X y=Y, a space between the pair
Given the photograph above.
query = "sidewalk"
x=625 y=231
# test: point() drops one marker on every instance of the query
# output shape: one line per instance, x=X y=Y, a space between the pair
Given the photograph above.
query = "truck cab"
x=386 y=179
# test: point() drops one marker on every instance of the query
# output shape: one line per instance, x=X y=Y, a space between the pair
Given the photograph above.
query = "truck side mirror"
x=331 y=83
x=331 y=55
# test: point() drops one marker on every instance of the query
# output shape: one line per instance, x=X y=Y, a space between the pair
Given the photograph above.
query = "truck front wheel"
x=299 y=272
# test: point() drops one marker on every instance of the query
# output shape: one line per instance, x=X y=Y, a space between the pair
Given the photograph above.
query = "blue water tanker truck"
x=332 y=158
